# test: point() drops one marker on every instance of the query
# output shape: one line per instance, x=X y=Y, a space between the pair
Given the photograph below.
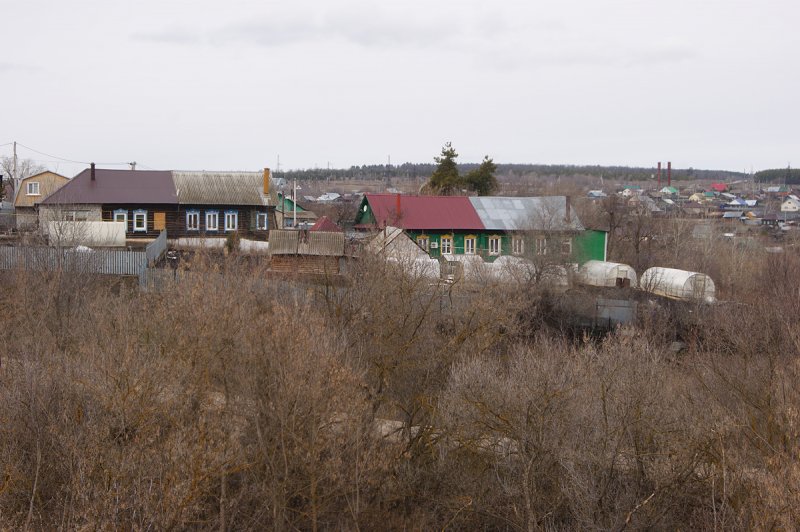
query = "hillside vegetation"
x=241 y=402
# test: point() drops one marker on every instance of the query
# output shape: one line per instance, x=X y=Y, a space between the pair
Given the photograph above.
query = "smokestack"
x=567 y=210
x=669 y=174
x=659 y=175
x=92 y=171
x=266 y=181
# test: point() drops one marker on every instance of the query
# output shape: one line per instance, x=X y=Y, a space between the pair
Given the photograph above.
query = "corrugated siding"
x=110 y=262
x=283 y=242
x=220 y=188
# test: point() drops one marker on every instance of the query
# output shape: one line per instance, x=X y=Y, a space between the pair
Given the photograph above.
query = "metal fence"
x=156 y=248
x=108 y=262
x=99 y=261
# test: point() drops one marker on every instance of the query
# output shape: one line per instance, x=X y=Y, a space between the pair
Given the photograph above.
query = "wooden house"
x=186 y=204
x=489 y=227
x=31 y=192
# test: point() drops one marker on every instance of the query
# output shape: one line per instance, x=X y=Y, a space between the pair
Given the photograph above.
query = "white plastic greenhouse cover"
x=678 y=284
x=601 y=273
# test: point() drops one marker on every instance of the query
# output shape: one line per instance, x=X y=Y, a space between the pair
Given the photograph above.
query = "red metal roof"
x=325 y=224
x=424 y=212
x=719 y=187
x=117 y=186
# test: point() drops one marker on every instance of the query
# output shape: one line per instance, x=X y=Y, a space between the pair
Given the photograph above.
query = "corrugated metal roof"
x=116 y=186
x=326 y=224
x=545 y=213
x=220 y=188
x=283 y=242
x=424 y=212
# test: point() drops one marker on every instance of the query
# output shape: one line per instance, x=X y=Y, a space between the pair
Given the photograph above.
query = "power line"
x=69 y=160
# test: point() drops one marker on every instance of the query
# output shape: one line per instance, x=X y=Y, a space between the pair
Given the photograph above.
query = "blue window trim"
x=266 y=221
x=140 y=211
x=120 y=211
x=212 y=229
x=225 y=221
x=189 y=213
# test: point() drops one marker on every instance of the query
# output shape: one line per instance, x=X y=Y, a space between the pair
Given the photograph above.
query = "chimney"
x=397 y=207
x=91 y=171
x=567 y=210
x=266 y=181
x=659 y=175
x=669 y=174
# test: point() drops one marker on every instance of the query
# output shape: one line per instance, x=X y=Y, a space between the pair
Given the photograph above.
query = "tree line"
x=789 y=176
x=411 y=170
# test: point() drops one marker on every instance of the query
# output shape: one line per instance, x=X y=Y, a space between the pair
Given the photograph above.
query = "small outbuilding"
x=607 y=274
x=678 y=284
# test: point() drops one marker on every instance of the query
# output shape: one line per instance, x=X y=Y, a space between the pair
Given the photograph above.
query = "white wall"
x=98 y=234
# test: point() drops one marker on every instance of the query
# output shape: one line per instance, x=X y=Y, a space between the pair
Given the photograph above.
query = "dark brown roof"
x=117 y=186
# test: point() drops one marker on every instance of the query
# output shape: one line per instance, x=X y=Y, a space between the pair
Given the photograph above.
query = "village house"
x=186 y=204
x=31 y=192
x=791 y=204
x=488 y=227
x=289 y=213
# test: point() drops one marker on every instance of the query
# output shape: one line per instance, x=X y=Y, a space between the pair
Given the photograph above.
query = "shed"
x=306 y=252
x=609 y=274
x=678 y=284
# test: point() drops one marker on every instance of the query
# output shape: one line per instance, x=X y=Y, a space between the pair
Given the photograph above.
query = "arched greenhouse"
x=678 y=284
x=602 y=273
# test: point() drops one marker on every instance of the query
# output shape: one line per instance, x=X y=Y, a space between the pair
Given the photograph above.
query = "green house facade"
x=489 y=227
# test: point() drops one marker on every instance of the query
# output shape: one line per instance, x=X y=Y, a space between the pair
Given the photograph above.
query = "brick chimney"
x=91 y=171
x=266 y=181
x=567 y=210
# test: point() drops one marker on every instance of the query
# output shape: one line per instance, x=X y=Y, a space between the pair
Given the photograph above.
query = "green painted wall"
x=586 y=245
x=364 y=215
x=589 y=245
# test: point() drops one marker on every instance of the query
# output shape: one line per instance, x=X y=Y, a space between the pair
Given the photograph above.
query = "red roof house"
x=325 y=224
x=719 y=187
x=417 y=212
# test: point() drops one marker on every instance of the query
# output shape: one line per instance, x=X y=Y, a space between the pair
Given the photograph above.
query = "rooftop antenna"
x=132 y=164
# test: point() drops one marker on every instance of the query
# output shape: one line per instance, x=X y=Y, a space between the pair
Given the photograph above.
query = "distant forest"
x=790 y=176
x=508 y=171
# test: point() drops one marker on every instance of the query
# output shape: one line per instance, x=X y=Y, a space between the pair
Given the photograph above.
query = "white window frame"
x=424 y=242
x=212 y=216
x=495 y=245
x=541 y=245
x=136 y=227
x=234 y=217
x=29 y=189
x=261 y=221
x=192 y=216
x=446 y=245
x=566 y=246
x=120 y=212
x=470 y=245
x=517 y=245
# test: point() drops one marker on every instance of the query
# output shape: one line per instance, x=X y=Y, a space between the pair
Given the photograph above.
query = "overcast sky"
x=233 y=84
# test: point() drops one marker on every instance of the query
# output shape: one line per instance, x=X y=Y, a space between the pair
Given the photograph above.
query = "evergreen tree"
x=445 y=179
x=482 y=180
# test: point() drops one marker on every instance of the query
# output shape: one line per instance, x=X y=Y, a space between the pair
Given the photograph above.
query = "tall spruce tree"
x=482 y=179
x=445 y=179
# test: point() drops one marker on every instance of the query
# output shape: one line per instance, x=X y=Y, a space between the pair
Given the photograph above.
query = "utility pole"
x=294 y=203
x=14 y=178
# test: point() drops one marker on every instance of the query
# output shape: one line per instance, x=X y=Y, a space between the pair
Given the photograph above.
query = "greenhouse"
x=678 y=284
x=601 y=273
